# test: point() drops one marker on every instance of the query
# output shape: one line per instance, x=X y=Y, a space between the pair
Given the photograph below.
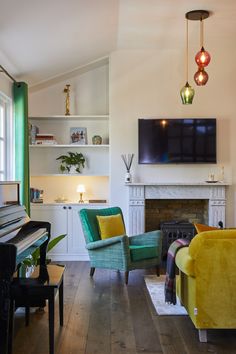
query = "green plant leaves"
x=34 y=258
x=76 y=159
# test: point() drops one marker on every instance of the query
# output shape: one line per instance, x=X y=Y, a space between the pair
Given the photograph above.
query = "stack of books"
x=36 y=195
x=46 y=139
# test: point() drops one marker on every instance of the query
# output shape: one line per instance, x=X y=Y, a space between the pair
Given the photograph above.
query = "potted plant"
x=30 y=262
x=73 y=159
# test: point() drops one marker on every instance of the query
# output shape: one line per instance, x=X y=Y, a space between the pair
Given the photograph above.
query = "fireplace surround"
x=138 y=193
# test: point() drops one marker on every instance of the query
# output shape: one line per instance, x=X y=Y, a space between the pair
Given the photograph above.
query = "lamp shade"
x=201 y=77
x=80 y=188
x=202 y=58
x=187 y=94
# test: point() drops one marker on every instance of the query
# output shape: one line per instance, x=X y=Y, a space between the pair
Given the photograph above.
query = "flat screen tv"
x=172 y=141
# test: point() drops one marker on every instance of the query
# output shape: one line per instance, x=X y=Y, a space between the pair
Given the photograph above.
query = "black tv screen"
x=166 y=141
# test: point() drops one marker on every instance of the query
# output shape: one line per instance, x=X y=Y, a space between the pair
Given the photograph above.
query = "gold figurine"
x=67 y=91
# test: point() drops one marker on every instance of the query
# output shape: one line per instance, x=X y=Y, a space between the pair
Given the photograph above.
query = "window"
x=6 y=139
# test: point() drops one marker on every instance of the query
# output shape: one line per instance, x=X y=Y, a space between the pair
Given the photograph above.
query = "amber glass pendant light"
x=187 y=92
x=202 y=58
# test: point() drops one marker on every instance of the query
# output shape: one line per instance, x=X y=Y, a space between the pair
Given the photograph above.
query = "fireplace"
x=141 y=194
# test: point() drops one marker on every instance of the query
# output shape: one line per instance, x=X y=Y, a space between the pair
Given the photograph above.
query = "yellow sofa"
x=206 y=284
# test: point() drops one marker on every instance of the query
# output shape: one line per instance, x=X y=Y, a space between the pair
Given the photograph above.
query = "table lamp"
x=80 y=189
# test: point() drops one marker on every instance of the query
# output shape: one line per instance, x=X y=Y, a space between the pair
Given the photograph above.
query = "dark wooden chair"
x=33 y=292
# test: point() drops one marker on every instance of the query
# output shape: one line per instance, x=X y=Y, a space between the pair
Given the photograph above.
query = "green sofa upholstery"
x=206 y=284
x=119 y=252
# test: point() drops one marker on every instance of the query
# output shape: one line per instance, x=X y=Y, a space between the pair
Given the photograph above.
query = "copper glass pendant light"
x=187 y=92
x=202 y=58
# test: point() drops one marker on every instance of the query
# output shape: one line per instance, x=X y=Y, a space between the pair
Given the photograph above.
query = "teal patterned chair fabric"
x=119 y=252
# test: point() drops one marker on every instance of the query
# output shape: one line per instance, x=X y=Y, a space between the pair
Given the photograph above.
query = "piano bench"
x=31 y=292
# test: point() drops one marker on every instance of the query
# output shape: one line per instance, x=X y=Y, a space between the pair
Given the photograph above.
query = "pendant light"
x=201 y=77
x=202 y=58
x=187 y=92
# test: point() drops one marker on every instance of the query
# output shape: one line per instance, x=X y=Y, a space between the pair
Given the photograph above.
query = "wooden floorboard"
x=104 y=316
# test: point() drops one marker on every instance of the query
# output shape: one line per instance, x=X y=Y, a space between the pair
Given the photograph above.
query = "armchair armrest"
x=107 y=242
x=185 y=262
x=152 y=238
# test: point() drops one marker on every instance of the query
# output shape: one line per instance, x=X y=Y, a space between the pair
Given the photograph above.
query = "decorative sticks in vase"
x=128 y=159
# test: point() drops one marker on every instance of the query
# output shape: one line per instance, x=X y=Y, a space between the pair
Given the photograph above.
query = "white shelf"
x=71 y=117
x=68 y=175
x=69 y=145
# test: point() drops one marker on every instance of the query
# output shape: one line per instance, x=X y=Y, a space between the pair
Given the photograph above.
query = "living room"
x=133 y=66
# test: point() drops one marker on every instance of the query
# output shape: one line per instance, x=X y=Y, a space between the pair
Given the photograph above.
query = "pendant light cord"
x=201 y=33
x=186 y=50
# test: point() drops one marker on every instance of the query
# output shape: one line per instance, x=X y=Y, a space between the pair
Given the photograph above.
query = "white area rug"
x=155 y=287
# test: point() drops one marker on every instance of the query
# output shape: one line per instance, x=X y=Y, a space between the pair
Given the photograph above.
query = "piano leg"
x=11 y=326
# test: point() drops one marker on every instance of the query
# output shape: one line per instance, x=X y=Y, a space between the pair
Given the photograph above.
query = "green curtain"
x=20 y=95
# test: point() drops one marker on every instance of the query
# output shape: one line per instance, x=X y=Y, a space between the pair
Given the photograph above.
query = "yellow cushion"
x=201 y=228
x=110 y=226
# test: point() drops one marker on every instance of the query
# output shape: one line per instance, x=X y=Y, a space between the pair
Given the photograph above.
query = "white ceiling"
x=43 y=39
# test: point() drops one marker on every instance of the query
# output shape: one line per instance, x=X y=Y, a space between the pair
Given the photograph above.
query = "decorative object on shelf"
x=128 y=159
x=211 y=178
x=222 y=174
x=73 y=159
x=97 y=140
x=34 y=130
x=67 y=91
x=80 y=189
x=202 y=58
x=61 y=199
x=187 y=92
x=78 y=136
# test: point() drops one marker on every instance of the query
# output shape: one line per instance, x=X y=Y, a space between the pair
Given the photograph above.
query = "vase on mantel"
x=128 y=177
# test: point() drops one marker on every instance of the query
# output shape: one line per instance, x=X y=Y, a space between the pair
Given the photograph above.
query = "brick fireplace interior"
x=159 y=210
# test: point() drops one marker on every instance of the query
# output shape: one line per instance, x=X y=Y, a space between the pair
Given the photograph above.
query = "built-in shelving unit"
x=97 y=156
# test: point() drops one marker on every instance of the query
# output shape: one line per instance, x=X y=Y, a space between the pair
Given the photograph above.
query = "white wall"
x=88 y=95
x=146 y=83
x=5 y=85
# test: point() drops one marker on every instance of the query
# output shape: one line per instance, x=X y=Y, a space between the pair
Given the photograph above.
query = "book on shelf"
x=45 y=136
x=45 y=142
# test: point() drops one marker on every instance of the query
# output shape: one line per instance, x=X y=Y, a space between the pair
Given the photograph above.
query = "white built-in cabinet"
x=64 y=219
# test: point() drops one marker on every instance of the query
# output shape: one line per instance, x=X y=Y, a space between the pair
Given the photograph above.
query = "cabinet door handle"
x=69 y=207
x=64 y=207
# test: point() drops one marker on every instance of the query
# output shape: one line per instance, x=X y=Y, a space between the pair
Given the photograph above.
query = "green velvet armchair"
x=119 y=252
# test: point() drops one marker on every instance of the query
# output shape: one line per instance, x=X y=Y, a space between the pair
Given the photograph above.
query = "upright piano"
x=19 y=237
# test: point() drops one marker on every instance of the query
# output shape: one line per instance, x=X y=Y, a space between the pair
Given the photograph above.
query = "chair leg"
x=202 y=333
x=126 y=277
x=92 y=270
x=61 y=303
x=158 y=270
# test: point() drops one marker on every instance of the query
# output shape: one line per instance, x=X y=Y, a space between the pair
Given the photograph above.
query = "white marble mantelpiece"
x=139 y=192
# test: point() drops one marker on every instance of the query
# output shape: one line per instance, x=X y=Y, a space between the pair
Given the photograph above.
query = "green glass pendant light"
x=187 y=92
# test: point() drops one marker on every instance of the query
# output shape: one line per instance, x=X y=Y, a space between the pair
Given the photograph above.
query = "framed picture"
x=78 y=136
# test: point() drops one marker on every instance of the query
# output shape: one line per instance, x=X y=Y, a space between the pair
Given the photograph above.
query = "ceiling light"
x=202 y=58
x=187 y=92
